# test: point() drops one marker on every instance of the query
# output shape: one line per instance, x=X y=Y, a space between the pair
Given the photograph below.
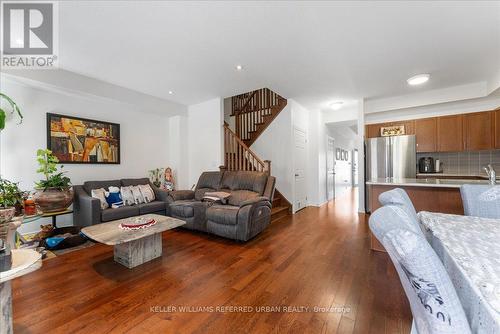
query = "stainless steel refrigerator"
x=390 y=157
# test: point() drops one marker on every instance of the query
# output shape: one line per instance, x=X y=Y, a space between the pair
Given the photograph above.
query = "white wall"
x=275 y=144
x=204 y=138
x=317 y=194
x=178 y=150
x=144 y=136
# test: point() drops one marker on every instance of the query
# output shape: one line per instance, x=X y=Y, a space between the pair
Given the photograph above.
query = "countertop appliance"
x=426 y=165
x=390 y=157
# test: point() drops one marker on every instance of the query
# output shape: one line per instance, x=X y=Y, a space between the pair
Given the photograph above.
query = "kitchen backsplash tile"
x=466 y=163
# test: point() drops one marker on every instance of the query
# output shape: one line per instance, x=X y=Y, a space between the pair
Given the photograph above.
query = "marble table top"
x=24 y=261
x=111 y=234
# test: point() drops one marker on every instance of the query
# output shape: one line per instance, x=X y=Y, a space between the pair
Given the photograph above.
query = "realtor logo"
x=29 y=38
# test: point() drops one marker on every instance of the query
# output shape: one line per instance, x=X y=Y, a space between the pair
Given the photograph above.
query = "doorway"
x=330 y=168
x=300 y=159
x=355 y=167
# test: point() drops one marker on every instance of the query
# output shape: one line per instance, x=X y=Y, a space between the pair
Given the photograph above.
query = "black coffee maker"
x=426 y=165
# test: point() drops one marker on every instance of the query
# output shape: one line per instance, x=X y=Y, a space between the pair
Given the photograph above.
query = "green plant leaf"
x=2 y=119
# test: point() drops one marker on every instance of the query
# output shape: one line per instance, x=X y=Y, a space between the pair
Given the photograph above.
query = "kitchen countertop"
x=454 y=175
x=442 y=183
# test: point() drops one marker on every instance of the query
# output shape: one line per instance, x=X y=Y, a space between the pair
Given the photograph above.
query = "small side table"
x=54 y=215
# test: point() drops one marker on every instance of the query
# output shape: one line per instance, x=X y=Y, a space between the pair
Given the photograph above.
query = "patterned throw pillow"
x=138 y=198
x=99 y=194
x=127 y=195
x=147 y=192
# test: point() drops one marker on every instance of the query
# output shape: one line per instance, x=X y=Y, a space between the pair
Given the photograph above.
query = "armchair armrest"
x=86 y=209
x=178 y=195
x=160 y=194
x=255 y=200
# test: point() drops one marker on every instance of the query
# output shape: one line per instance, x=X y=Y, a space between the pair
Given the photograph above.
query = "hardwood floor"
x=318 y=257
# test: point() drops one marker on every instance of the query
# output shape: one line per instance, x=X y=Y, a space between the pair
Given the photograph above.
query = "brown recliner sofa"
x=247 y=213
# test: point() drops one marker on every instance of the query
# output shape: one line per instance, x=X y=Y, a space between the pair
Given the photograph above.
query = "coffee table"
x=133 y=248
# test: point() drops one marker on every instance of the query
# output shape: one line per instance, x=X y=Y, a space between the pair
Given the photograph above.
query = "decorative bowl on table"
x=137 y=223
x=53 y=199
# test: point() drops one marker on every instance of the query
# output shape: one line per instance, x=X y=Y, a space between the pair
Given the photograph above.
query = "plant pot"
x=5 y=217
x=53 y=199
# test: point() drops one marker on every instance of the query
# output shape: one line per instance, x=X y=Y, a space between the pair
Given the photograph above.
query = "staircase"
x=253 y=113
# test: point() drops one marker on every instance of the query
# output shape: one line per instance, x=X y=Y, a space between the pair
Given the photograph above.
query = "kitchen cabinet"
x=450 y=134
x=497 y=128
x=426 y=134
x=478 y=129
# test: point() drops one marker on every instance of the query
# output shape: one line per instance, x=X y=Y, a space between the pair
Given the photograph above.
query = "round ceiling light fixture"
x=170 y=92
x=337 y=105
x=239 y=67
x=418 y=79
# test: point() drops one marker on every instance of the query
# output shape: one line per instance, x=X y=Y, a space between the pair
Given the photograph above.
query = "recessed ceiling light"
x=336 y=105
x=239 y=67
x=170 y=92
x=418 y=79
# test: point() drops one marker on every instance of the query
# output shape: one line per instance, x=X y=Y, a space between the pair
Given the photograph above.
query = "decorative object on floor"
x=137 y=223
x=10 y=195
x=396 y=130
x=54 y=193
x=168 y=182
x=14 y=107
x=133 y=248
x=83 y=141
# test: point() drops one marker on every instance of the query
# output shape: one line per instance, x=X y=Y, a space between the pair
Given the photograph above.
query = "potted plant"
x=15 y=109
x=54 y=193
x=10 y=196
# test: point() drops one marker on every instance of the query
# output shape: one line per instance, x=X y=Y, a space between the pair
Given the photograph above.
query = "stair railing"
x=251 y=109
x=238 y=156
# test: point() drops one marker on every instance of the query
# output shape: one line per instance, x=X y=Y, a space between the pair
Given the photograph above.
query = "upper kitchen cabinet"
x=426 y=134
x=479 y=129
x=497 y=128
x=450 y=134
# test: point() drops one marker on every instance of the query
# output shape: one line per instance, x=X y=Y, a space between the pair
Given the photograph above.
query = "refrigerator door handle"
x=388 y=157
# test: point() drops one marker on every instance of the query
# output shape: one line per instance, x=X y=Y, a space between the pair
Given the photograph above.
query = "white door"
x=330 y=168
x=300 y=158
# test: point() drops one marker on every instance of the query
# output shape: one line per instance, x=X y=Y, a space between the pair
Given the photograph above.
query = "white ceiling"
x=315 y=52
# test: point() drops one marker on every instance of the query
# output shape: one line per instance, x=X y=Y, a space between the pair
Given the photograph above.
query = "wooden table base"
x=136 y=252
x=5 y=308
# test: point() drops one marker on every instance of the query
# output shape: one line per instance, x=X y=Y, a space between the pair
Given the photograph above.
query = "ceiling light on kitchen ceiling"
x=418 y=79
x=170 y=92
x=336 y=105
x=239 y=67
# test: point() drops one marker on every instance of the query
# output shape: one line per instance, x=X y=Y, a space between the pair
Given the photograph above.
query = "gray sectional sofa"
x=246 y=214
x=87 y=210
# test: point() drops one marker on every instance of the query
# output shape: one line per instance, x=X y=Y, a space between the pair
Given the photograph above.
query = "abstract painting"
x=83 y=141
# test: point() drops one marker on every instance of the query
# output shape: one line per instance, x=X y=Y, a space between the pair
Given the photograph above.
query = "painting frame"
x=116 y=137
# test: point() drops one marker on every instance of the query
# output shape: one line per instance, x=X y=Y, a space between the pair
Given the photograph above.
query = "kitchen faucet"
x=492 y=175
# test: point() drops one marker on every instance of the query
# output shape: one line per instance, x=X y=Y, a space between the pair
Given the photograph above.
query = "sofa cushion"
x=239 y=196
x=223 y=214
x=89 y=185
x=245 y=180
x=134 y=182
x=183 y=208
x=151 y=207
x=200 y=193
x=209 y=180
x=122 y=212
